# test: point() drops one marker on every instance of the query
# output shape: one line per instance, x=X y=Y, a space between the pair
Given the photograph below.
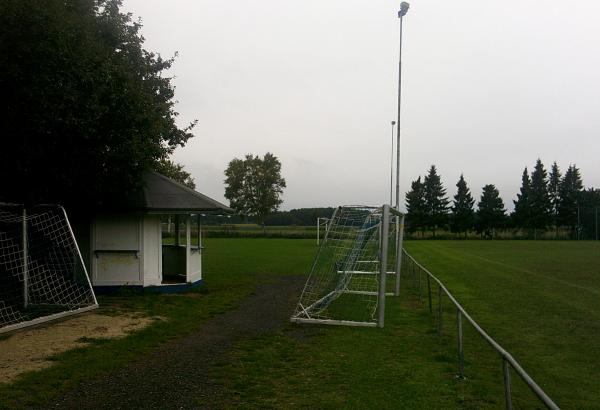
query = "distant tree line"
x=299 y=217
x=293 y=217
x=545 y=201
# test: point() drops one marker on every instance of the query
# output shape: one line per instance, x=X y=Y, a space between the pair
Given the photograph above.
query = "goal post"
x=321 y=221
x=347 y=283
x=42 y=274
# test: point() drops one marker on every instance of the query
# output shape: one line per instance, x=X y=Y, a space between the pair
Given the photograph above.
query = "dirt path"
x=176 y=375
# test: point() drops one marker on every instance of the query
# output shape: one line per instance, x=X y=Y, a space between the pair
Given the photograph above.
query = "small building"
x=152 y=241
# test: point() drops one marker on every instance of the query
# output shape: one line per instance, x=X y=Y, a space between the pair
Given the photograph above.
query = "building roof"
x=163 y=195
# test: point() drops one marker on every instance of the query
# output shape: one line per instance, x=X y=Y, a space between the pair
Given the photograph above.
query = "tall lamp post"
x=403 y=10
x=392 y=167
x=399 y=219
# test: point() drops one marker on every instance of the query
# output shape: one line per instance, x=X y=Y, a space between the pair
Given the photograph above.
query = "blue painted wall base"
x=170 y=288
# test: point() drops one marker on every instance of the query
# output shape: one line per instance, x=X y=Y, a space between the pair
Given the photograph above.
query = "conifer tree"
x=491 y=214
x=539 y=200
x=435 y=201
x=415 y=206
x=554 y=192
x=570 y=191
x=463 y=215
x=522 y=212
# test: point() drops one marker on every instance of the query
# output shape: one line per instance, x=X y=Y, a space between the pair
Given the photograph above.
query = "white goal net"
x=42 y=275
x=347 y=282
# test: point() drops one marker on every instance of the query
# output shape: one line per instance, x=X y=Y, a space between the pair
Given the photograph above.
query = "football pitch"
x=539 y=299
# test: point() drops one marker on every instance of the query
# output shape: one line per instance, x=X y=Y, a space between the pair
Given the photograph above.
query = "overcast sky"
x=488 y=87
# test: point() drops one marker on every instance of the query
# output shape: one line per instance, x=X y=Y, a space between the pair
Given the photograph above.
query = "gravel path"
x=176 y=375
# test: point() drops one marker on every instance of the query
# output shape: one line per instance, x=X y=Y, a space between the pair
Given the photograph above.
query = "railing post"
x=461 y=357
x=384 y=232
x=507 y=393
x=440 y=310
x=429 y=293
x=414 y=276
x=420 y=287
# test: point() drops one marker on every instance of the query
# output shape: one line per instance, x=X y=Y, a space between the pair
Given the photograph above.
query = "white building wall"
x=116 y=251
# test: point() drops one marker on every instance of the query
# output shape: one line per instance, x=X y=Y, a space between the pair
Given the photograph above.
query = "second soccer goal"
x=347 y=284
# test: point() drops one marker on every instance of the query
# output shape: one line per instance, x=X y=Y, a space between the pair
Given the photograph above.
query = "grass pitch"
x=540 y=300
x=537 y=299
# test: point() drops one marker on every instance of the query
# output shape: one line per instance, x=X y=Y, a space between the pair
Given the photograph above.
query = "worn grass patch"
x=403 y=365
x=232 y=269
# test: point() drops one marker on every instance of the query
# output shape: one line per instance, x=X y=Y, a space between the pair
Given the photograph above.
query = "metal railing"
x=411 y=266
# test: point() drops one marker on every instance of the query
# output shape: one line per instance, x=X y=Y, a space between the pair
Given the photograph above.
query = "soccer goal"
x=42 y=275
x=347 y=284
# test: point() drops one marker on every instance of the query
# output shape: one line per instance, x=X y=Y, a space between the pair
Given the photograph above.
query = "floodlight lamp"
x=393 y=122
x=403 y=9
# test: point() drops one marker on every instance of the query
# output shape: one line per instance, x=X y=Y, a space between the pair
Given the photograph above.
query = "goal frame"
x=54 y=316
x=388 y=213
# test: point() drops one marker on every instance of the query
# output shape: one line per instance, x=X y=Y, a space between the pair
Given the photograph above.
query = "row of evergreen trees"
x=544 y=201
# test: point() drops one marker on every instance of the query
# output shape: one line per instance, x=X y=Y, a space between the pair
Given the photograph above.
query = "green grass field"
x=540 y=300
x=537 y=299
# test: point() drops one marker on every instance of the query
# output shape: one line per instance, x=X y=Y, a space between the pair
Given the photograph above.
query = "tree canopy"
x=463 y=215
x=540 y=205
x=544 y=200
x=87 y=110
x=491 y=214
x=254 y=185
x=522 y=211
x=436 y=203
x=415 y=206
x=571 y=188
x=176 y=172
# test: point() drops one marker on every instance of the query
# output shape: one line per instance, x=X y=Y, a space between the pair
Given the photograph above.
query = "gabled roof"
x=163 y=195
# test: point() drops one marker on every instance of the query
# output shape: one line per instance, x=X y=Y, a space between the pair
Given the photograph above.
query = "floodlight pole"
x=403 y=10
x=392 y=167
x=399 y=220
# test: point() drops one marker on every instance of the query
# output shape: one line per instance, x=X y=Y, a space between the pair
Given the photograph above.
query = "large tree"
x=491 y=214
x=522 y=213
x=463 y=215
x=436 y=202
x=415 y=207
x=539 y=200
x=87 y=110
x=571 y=188
x=254 y=185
